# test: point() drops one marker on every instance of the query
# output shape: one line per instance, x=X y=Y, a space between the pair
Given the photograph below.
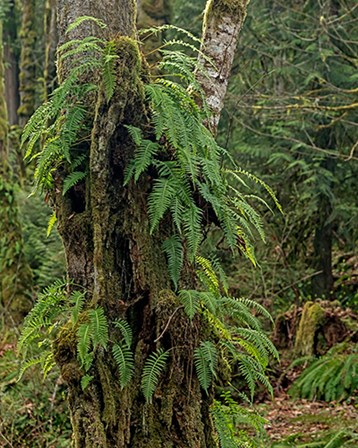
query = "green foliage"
x=190 y=181
x=205 y=360
x=60 y=123
x=332 y=377
x=153 y=368
x=234 y=422
x=173 y=249
x=123 y=356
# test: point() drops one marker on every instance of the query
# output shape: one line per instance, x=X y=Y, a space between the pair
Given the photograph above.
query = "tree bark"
x=109 y=252
x=223 y=21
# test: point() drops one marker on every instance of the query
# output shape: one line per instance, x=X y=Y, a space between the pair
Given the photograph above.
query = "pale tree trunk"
x=222 y=24
x=104 y=227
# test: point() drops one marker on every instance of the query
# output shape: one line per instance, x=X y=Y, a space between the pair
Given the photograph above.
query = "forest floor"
x=311 y=424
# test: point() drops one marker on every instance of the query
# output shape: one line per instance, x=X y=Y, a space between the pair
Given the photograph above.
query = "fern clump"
x=332 y=377
x=229 y=416
x=190 y=181
x=57 y=132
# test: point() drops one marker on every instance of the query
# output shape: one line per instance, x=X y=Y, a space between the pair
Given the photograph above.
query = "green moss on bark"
x=311 y=319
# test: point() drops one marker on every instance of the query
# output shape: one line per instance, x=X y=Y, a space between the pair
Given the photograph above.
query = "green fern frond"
x=85 y=381
x=51 y=222
x=210 y=278
x=164 y=190
x=83 y=345
x=76 y=23
x=71 y=180
x=125 y=329
x=98 y=327
x=205 y=360
x=78 y=300
x=173 y=249
x=153 y=368
x=124 y=358
x=108 y=71
x=191 y=301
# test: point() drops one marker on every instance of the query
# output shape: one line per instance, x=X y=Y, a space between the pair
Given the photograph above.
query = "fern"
x=84 y=345
x=191 y=301
x=333 y=377
x=205 y=360
x=85 y=381
x=72 y=179
x=173 y=249
x=125 y=330
x=124 y=358
x=153 y=368
x=98 y=327
x=78 y=300
x=228 y=415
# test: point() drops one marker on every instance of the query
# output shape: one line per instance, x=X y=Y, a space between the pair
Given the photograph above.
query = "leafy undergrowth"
x=310 y=424
x=33 y=412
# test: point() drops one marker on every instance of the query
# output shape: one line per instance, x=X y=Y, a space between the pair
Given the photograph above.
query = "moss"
x=311 y=319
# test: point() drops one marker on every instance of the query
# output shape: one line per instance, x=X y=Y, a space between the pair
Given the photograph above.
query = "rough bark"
x=109 y=251
x=223 y=21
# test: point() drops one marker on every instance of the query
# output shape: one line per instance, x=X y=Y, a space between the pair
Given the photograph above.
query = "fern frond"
x=191 y=301
x=83 y=346
x=205 y=360
x=85 y=381
x=98 y=326
x=173 y=249
x=78 y=300
x=153 y=368
x=76 y=23
x=51 y=222
x=160 y=199
x=125 y=329
x=124 y=358
x=71 y=180
x=108 y=71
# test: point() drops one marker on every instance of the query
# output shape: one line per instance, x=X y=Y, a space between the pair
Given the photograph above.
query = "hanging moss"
x=311 y=320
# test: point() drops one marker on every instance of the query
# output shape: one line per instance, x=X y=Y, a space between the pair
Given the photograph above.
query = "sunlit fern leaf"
x=124 y=358
x=158 y=29
x=153 y=368
x=84 y=345
x=85 y=381
x=211 y=279
x=173 y=249
x=125 y=329
x=49 y=304
x=98 y=326
x=78 y=300
x=51 y=222
x=37 y=360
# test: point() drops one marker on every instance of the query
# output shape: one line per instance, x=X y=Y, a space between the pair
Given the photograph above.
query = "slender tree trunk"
x=105 y=230
x=15 y=274
x=27 y=75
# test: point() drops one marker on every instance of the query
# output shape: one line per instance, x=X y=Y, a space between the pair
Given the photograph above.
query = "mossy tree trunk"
x=27 y=76
x=105 y=230
x=15 y=274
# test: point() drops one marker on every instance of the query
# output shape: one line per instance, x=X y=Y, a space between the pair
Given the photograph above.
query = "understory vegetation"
x=256 y=226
